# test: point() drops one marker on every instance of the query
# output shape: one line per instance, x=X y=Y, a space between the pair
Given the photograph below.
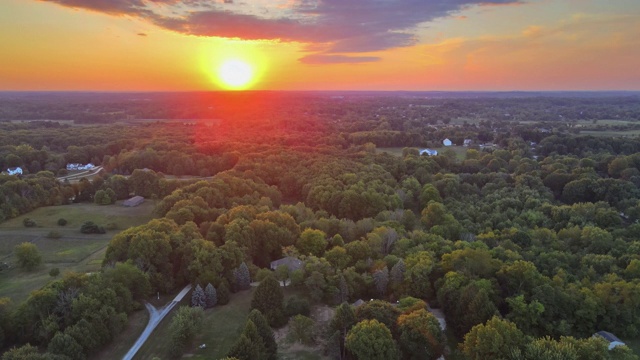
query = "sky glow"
x=321 y=44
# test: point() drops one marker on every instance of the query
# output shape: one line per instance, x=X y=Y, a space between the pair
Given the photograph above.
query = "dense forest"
x=526 y=238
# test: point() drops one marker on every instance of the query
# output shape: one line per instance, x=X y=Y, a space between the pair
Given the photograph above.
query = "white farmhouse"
x=76 y=166
x=14 y=171
x=429 y=152
x=447 y=142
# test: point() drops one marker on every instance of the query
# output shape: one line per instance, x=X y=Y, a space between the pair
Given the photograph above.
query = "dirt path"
x=155 y=316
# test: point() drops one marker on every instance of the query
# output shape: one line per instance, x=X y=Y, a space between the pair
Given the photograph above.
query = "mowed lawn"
x=221 y=327
x=73 y=251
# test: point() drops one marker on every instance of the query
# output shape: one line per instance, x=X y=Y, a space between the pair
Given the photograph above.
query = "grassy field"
x=460 y=151
x=611 y=133
x=73 y=251
x=222 y=325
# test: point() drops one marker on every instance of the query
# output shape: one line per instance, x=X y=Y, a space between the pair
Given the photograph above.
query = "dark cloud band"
x=343 y=26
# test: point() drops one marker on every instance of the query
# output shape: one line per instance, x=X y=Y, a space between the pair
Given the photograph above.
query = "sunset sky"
x=179 y=45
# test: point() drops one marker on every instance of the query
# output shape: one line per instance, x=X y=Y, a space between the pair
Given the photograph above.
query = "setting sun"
x=236 y=74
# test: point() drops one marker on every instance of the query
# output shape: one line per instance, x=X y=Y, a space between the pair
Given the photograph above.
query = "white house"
x=467 y=142
x=76 y=166
x=14 y=171
x=610 y=338
x=447 y=142
x=429 y=152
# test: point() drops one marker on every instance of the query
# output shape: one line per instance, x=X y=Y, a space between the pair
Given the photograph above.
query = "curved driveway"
x=155 y=316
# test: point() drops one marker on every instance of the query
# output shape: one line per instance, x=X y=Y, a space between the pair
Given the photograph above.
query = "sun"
x=236 y=74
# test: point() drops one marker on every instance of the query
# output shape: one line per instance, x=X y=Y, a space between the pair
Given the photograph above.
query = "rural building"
x=77 y=166
x=134 y=201
x=14 y=171
x=610 y=338
x=292 y=263
x=358 y=303
x=429 y=152
x=447 y=142
x=467 y=142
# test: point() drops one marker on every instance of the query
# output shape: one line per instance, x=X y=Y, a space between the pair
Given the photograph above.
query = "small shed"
x=358 y=303
x=292 y=263
x=134 y=201
x=447 y=142
x=610 y=338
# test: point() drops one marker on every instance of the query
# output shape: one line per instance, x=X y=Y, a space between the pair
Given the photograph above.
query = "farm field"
x=611 y=133
x=73 y=251
x=460 y=151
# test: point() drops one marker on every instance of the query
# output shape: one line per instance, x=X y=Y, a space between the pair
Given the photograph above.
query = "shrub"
x=54 y=235
x=301 y=330
x=28 y=256
x=90 y=228
x=62 y=222
x=54 y=272
x=27 y=222
x=297 y=305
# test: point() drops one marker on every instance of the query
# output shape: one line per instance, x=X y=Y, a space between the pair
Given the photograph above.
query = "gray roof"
x=608 y=336
x=134 y=201
x=291 y=262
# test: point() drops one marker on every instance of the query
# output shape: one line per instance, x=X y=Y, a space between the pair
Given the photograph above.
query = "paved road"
x=439 y=314
x=155 y=316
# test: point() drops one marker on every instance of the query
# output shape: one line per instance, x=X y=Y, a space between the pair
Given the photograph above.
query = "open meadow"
x=72 y=251
x=459 y=151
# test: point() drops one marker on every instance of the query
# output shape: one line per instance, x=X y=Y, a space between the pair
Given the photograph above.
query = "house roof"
x=428 y=151
x=291 y=262
x=136 y=200
x=608 y=336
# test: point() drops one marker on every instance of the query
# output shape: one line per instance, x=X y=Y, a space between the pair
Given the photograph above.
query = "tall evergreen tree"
x=242 y=277
x=268 y=299
x=250 y=345
x=198 y=297
x=211 y=296
x=341 y=323
x=243 y=349
x=266 y=333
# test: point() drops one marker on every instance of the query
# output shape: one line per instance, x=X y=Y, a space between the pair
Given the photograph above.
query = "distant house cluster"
x=134 y=201
x=78 y=166
x=429 y=152
x=14 y=171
